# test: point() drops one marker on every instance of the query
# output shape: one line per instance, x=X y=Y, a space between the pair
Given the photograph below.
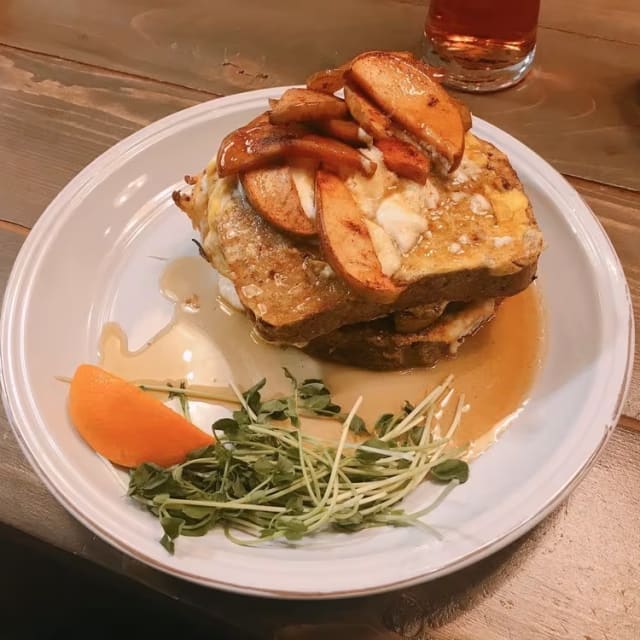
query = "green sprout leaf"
x=451 y=469
x=267 y=480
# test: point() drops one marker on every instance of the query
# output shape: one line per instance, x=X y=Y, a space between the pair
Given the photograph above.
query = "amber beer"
x=483 y=45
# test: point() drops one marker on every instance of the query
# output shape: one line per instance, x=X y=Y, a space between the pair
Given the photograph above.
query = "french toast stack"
x=374 y=230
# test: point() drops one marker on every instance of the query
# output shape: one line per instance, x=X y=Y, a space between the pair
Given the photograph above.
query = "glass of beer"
x=482 y=45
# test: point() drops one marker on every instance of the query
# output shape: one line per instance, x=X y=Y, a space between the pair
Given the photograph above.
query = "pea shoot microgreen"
x=265 y=479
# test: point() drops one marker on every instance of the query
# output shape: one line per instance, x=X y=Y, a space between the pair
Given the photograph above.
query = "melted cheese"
x=468 y=170
x=228 y=293
x=388 y=253
x=400 y=222
x=303 y=179
x=507 y=204
x=397 y=205
x=368 y=192
x=479 y=204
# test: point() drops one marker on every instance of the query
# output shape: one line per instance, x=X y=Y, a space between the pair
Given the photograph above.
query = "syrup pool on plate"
x=209 y=344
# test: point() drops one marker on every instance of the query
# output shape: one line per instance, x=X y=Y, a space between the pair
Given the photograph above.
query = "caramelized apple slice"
x=346 y=130
x=327 y=81
x=334 y=155
x=465 y=114
x=433 y=72
x=405 y=159
x=272 y=193
x=254 y=146
x=263 y=118
x=414 y=100
x=301 y=105
x=366 y=114
x=332 y=80
x=346 y=243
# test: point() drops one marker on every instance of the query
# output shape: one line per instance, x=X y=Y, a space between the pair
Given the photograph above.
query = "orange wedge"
x=126 y=425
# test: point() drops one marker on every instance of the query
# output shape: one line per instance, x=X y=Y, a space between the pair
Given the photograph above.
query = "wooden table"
x=76 y=77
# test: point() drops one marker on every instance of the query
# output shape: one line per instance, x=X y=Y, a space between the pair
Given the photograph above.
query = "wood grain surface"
x=56 y=116
x=588 y=84
x=619 y=212
x=617 y=20
x=74 y=80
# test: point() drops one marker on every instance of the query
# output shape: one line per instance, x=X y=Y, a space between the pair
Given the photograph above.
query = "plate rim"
x=144 y=137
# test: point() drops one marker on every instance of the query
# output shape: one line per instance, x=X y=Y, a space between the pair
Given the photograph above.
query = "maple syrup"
x=209 y=344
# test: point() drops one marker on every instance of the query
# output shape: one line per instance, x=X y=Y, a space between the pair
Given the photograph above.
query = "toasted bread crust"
x=376 y=345
x=293 y=296
x=290 y=292
x=418 y=318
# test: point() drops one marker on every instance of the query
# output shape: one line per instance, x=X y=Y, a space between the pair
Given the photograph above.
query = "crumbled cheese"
x=228 y=293
x=303 y=179
x=400 y=222
x=502 y=241
x=368 y=192
x=431 y=195
x=479 y=204
x=363 y=136
x=457 y=196
x=327 y=272
x=459 y=176
x=455 y=248
x=262 y=308
x=318 y=268
x=251 y=291
x=386 y=250
x=464 y=239
x=467 y=170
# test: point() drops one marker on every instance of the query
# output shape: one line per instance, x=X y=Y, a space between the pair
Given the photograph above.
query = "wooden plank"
x=577 y=108
x=55 y=117
x=612 y=19
x=619 y=212
x=630 y=423
x=6 y=225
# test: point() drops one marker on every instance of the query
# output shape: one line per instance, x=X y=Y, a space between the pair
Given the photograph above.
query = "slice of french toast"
x=377 y=345
x=469 y=235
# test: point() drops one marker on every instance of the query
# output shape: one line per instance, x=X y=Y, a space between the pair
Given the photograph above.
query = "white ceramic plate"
x=86 y=262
